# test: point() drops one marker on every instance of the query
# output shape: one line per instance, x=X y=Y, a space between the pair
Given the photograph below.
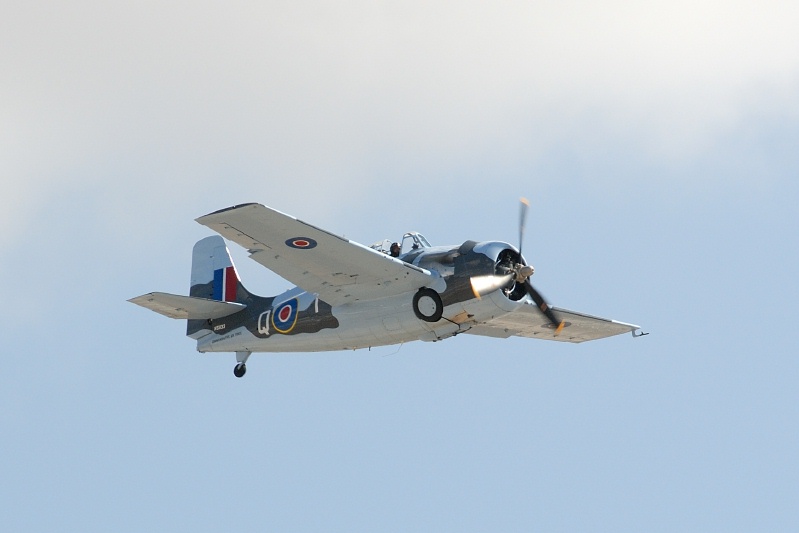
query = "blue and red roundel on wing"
x=284 y=316
x=303 y=243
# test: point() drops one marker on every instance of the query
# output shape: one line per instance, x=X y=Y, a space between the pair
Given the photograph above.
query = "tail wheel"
x=427 y=305
x=239 y=370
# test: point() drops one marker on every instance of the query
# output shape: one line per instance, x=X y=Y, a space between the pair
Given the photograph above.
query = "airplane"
x=350 y=296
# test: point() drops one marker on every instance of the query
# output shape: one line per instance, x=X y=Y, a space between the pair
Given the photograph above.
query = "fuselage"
x=359 y=325
x=298 y=321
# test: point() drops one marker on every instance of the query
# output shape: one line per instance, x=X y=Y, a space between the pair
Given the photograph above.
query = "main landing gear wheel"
x=427 y=305
x=239 y=370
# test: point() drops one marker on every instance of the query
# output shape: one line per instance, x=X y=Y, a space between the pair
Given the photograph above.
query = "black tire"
x=431 y=306
x=239 y=370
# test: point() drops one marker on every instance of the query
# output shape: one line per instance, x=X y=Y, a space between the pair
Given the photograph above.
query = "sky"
x=656 y=142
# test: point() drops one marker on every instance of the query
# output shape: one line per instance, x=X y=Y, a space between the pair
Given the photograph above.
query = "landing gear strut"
x=241 y=368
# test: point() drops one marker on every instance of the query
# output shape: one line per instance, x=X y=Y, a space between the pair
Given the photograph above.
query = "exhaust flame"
x=485 y=284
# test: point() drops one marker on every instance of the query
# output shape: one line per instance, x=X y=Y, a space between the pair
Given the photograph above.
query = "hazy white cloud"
x=129 y=97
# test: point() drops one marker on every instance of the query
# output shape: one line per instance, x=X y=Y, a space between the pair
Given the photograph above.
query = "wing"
x=527 y=321
x=175 y=306
x=338 y=270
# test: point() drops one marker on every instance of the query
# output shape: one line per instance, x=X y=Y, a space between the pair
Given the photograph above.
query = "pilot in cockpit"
x=395 y=249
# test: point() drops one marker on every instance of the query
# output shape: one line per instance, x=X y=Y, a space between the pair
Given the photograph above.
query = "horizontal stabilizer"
x=175 y=306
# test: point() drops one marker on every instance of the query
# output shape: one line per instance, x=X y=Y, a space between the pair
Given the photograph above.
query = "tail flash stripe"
x=225 y=284
x=219 y=280
x=231 y=281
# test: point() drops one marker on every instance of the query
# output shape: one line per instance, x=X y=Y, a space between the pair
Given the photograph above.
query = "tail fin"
x=213 y=274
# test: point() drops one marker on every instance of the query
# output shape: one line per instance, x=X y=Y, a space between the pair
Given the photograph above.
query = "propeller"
x=525 y=205
x=544 y=307
x=511 y=268
x=522 y=273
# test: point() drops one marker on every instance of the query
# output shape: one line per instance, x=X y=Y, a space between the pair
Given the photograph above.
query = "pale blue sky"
x=657 y=144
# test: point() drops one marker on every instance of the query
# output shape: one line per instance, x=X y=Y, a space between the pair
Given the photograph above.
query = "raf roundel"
x=303 y=243
x=285 y=316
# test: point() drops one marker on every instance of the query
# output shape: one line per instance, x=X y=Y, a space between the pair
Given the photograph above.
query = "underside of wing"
x=529 y=322
x=176 y=306
x=340 y=271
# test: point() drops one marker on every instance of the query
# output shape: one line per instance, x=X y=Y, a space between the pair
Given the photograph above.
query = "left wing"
x=527 y=321
x=338 y=270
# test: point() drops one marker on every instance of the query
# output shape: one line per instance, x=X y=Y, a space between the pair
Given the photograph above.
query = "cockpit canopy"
x=411 y=241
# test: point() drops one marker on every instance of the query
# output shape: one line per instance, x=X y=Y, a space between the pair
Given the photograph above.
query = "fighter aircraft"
x=351 y=296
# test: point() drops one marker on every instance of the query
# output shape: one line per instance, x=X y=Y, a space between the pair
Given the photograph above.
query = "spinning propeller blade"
x=522 y=220
x=544 y=307
x=534 y=294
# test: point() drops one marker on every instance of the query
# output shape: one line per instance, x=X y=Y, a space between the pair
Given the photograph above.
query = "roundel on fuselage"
x=284 y=317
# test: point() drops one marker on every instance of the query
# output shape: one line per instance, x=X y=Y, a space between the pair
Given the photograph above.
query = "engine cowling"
x=507 y=260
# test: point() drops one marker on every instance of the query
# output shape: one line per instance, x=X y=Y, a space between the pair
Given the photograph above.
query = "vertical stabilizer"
x=213 y=276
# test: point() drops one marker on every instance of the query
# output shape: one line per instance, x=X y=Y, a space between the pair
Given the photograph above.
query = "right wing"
x=340 y=271
x=528 y=321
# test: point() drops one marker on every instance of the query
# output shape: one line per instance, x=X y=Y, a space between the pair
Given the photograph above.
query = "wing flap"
x=175 y=306
x=527 y=321
x=338 y=270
